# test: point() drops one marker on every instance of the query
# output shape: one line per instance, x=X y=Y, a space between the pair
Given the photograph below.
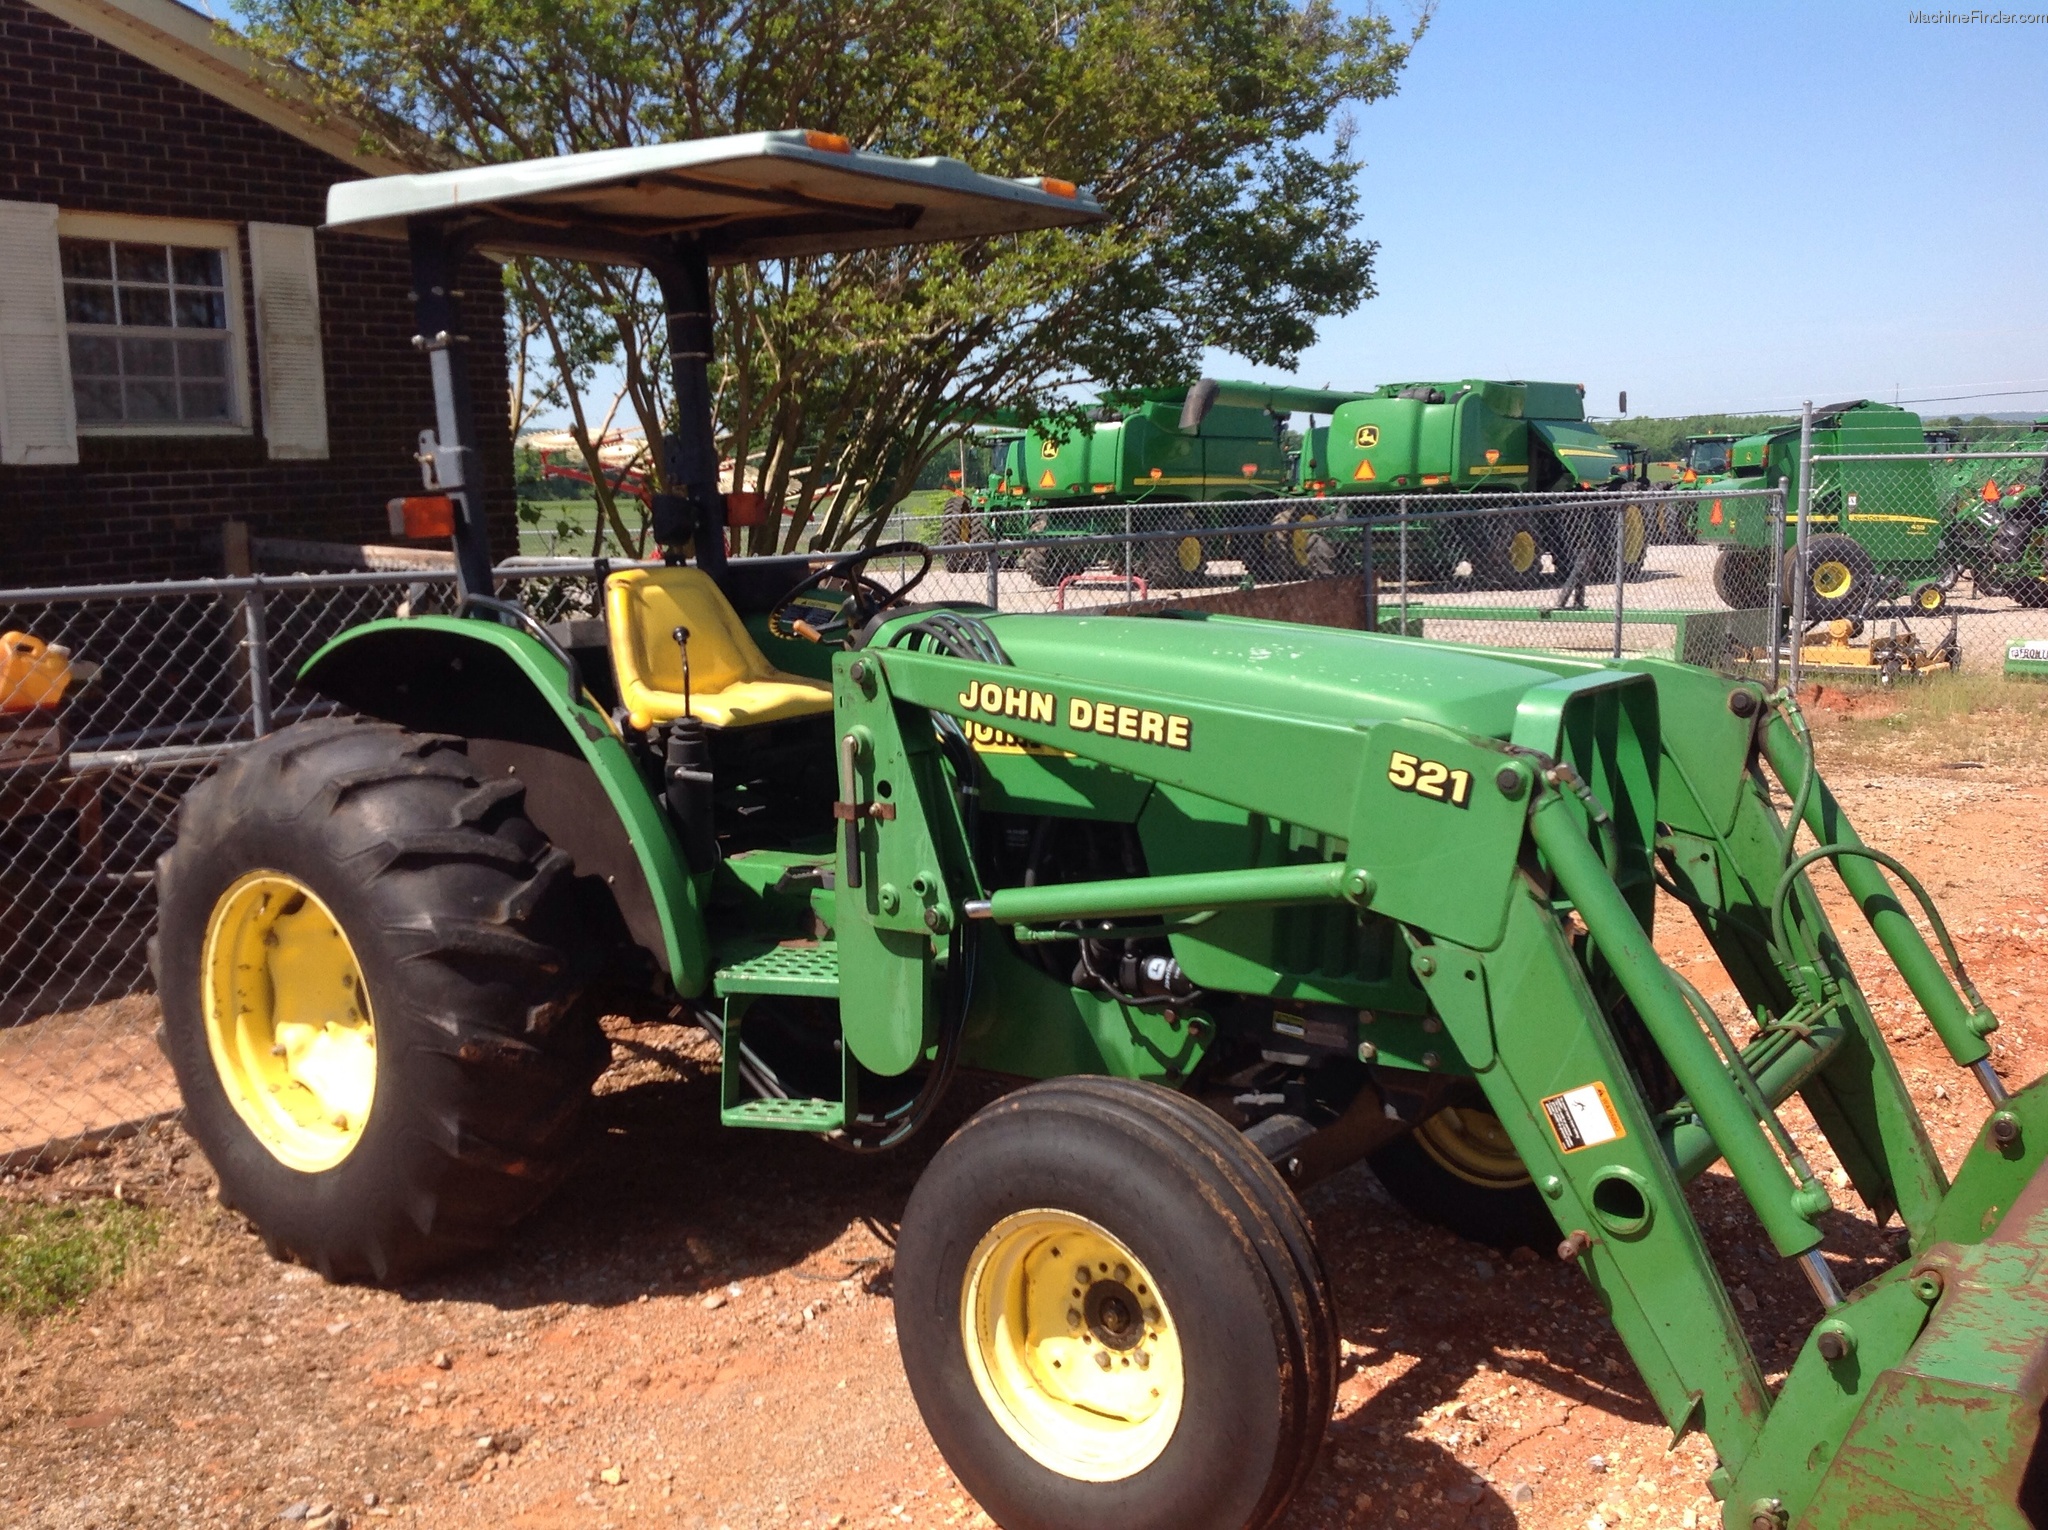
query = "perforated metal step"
x=786 y=1115
x=808 y=969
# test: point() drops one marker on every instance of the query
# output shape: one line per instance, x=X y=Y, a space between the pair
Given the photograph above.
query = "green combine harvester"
x=1234 y=903
x=1490 y=438
x=1173 y=459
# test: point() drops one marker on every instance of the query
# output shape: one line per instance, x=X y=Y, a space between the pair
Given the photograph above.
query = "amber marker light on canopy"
x=830 y=143
x=1057 y=188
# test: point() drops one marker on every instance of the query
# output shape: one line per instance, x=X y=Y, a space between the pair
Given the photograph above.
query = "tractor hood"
x=1583 y=451
x=1311 y=673
x=750 y=196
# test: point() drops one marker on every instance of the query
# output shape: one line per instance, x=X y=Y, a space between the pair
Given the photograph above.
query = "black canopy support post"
x=690 y=454
x=437 y=252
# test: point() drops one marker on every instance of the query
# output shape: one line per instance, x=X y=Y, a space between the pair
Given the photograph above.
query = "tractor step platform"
x=805 y=969
x=786 y=1115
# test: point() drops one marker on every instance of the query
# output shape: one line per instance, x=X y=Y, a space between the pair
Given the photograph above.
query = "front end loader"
x=1235 y=904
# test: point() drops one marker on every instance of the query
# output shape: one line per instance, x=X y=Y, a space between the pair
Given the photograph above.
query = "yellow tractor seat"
x=732 y=684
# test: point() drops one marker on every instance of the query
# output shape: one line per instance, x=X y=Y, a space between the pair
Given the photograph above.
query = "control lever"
x=687 y=778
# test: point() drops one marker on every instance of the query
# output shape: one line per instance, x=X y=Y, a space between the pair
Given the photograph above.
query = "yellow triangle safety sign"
x=1365 y=474
x=1048 y=481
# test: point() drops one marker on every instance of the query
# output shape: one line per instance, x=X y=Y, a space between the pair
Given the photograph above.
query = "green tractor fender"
x=526 y=713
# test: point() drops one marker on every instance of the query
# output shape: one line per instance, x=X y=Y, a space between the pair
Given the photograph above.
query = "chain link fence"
x=167 y=679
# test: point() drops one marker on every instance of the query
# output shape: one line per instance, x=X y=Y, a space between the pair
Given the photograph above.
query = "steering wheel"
x=809 y=612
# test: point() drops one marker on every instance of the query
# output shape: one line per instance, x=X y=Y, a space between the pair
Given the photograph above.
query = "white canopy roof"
x=751 y=196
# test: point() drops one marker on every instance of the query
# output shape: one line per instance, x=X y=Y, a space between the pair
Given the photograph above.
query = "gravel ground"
x=698 y=1331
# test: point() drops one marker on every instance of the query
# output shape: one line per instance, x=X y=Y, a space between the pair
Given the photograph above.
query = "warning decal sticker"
x=1583 y=1117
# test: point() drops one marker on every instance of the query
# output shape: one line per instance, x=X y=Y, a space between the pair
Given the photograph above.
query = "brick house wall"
x=90 y=128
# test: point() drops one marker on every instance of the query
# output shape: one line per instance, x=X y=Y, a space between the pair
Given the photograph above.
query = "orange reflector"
x=1158 y=472
x=830 y=143
x=1365 y=474
x=1990 y=492
x=1048 y=481
x=1058 y=188
x=422 y=515
x=746 y=508
x=1691 y=476
x=1715 y=518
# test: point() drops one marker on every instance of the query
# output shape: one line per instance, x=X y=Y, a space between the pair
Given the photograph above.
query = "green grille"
x=809 y=970
x=786 y=1115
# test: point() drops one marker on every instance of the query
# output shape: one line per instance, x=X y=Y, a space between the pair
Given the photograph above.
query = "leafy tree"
x=1216 y=133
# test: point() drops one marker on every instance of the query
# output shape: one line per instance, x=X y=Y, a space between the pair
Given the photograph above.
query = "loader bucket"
x=1934 y=1376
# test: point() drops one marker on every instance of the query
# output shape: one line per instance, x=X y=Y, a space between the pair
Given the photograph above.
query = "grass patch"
x=1938 y=722
x=53 y=1257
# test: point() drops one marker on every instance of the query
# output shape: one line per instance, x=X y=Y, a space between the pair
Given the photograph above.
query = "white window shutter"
x=288 y=355
x=38 y=419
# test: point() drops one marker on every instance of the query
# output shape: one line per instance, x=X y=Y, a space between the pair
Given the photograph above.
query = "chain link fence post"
x=256 y=655
x=1620 y=570
x=1774 y=623
x=1800 y=576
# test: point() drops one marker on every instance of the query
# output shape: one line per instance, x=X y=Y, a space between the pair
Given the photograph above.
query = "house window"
x=152 y=319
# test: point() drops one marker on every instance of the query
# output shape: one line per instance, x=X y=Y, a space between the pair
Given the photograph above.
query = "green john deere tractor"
x=1249 y=902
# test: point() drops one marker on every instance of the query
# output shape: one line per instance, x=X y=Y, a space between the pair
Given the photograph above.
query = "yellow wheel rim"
x=1189 y=551
x=288 y=1020
x=1473 y=1145
x=1298 y=543
x=1932 y=597
x=1522 y=551
x=1071 y=1346
x=1832 y=579
x=1635 y=534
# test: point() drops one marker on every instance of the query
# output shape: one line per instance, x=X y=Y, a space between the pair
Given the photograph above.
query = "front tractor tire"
x=361 y=956
x=1110 y=1312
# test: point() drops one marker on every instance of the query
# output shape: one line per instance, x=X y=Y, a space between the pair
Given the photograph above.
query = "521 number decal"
x=1429 y=778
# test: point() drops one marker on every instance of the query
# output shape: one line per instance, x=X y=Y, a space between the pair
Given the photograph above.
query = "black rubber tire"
x=1503 y=1218
x=1824 y=550
x=958 y=523
x=460 y=915
x=1491 y=547
x=2019 y=554
x=1158 y=561
x=1742 y=577
x=1047 y=566
x=1186 y=1193
x=1277 y=557
x=1589 y=529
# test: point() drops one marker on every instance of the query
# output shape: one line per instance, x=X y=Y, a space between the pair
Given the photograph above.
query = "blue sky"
x=1715 y=207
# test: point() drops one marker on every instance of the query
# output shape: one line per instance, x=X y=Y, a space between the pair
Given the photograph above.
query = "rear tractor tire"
x=1291 y=551
x=1839 y=576
x=1110 y=1312
x=1742 y=577
x=2019 y=554
x=1173 y=562
x=1047 y=566
x=1458 y=1171
x=361 y=956
x=1507 y=552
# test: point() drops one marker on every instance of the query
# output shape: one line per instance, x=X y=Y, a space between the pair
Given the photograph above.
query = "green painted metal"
x=806 y=969
x=677 y=896
x=1253 y=886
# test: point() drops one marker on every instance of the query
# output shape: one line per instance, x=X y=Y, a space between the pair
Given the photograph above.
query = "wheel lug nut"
x=1144 y=1359
x=1102 y=1359
x=1073 y=1318
x=1123 y=1272
x=1082 y=1274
